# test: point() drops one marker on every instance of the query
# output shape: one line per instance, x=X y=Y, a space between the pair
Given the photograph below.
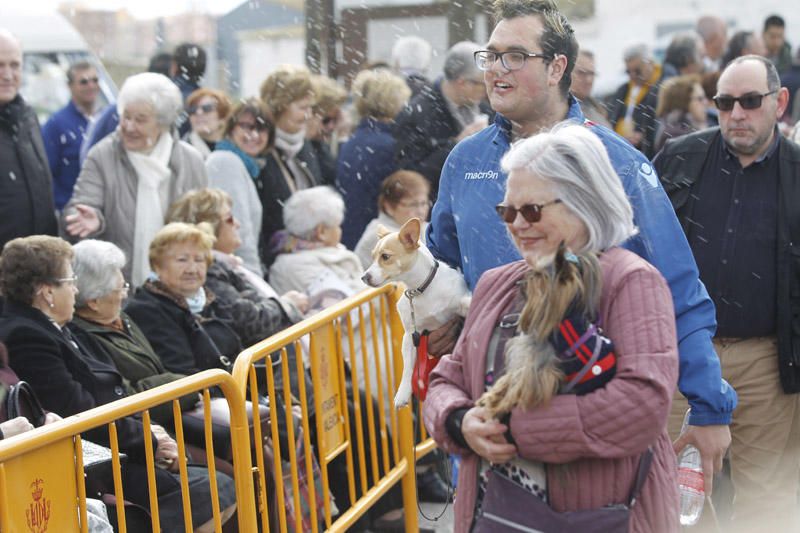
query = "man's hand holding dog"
x=442 y=340
x=485 y=436
x=711 y=442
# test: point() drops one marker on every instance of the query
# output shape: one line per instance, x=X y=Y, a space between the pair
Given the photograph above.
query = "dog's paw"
x=402 y=397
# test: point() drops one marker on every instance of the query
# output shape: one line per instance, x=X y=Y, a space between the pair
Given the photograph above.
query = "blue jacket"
x=466 y=232
x=365 y=160
x=104 y=123
x=62 y=136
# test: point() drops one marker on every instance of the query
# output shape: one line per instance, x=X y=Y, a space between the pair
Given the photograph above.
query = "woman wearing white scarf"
x=292 y=164
x=130 y=178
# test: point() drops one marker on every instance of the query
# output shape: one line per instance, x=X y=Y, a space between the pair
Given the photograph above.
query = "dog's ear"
x=409 y=234
x=383 y=231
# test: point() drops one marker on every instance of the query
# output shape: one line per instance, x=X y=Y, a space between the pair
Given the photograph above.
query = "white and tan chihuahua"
x=435 y=292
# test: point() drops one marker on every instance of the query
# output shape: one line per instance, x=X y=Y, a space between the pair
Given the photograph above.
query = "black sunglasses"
x=205 y=108
x=530 y=212
x=748 y=101
x=87 y=81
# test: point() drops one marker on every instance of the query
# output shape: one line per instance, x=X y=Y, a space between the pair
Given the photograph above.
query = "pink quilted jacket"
x=591 y=443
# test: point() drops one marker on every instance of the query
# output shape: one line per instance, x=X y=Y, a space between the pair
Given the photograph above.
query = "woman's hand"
x=167 y=450
x=485 y=436
x=15 y=426
x=298 y=299
x=83 y=222
x=51 y=417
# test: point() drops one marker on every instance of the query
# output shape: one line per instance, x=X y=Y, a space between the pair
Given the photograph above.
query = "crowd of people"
x=161 y=235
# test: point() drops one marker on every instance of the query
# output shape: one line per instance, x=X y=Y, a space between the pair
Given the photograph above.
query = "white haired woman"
x=562 y=189
x=309 y=250
x=101 y=325
x=131 y=177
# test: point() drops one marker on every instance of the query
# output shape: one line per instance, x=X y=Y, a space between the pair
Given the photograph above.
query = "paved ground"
x=443 y=524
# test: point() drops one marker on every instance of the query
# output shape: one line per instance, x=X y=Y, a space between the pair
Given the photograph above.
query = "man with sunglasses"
x=735 y=189
x=65 y=131
x=527 y=65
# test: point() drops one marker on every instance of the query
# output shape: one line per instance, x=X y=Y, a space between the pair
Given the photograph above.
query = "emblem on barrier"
x=38 y=512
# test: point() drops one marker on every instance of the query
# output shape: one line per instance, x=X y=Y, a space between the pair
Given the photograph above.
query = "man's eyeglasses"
x=73 y=280
x=748 y=101
x=530 y=212
x=205 y=108
x=250 y=127
x=513 y=60
x=87 y=81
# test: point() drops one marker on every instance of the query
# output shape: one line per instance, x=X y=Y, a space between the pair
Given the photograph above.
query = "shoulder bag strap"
x=641 y=476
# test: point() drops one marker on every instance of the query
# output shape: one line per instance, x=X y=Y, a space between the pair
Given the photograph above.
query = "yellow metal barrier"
x=361 y=335
x=41 y=472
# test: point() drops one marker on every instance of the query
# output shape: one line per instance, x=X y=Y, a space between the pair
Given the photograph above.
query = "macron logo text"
x=485 y=175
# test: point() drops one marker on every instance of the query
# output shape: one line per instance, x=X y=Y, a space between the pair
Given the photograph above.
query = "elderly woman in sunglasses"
x=562 y=189
x=207 y=109
x=234 y=166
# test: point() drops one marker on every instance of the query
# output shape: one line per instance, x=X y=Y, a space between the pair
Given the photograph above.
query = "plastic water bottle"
x=690 y=481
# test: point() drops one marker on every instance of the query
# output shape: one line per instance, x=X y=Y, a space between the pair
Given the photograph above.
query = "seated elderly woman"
x=310 y=256
x=562 y=189
x=102 y=326
x=235 y=165
x=208 y=111
x=187 y=326
x=257 y=310
x=130 y=178
x=403 y=196
x=38 y=282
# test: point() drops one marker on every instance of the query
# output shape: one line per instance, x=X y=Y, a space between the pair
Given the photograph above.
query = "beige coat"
x=108 y=183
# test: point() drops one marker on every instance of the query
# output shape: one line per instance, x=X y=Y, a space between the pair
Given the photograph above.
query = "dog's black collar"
x=413 y=293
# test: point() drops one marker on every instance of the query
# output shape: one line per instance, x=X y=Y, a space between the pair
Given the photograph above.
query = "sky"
x=150 y=8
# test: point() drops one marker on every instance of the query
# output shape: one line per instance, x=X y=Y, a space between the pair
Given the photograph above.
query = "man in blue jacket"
x=66 y=129
x=527 y=64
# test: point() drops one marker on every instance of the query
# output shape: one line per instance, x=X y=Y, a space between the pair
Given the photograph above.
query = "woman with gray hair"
x=131 y=177
x=562 y=189
x=101 y=325
x=309 y=252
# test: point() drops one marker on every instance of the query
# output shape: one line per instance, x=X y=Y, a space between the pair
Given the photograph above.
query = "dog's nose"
x=365 y=278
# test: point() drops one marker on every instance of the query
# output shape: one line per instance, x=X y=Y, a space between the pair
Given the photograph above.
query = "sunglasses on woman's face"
x=532 y=213
x=748 y=101
x=205 y=108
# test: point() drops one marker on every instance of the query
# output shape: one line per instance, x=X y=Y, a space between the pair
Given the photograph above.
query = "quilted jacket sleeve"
x=630 y=412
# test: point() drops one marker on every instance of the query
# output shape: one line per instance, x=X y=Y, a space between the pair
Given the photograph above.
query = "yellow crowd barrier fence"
x=352 y=350
x=337 y=370
x=41 y=472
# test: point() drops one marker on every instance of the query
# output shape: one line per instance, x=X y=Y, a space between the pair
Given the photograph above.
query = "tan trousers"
x=765 y=446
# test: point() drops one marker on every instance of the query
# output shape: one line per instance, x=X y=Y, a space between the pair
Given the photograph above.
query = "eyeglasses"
x=584 y=73
x=513 y=60
x=250 y=127
x=87 y=81
x=530 y=212
x=748 y=101
x=415 y=205
x=71 y=280
x=230 y=220
x=327 y=121
x=125 y=288
x=205 y=108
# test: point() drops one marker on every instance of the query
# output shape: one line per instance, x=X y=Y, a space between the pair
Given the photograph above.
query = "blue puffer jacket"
x=466 y=232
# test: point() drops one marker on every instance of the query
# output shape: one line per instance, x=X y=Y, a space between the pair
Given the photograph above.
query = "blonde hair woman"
x=369 y=156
